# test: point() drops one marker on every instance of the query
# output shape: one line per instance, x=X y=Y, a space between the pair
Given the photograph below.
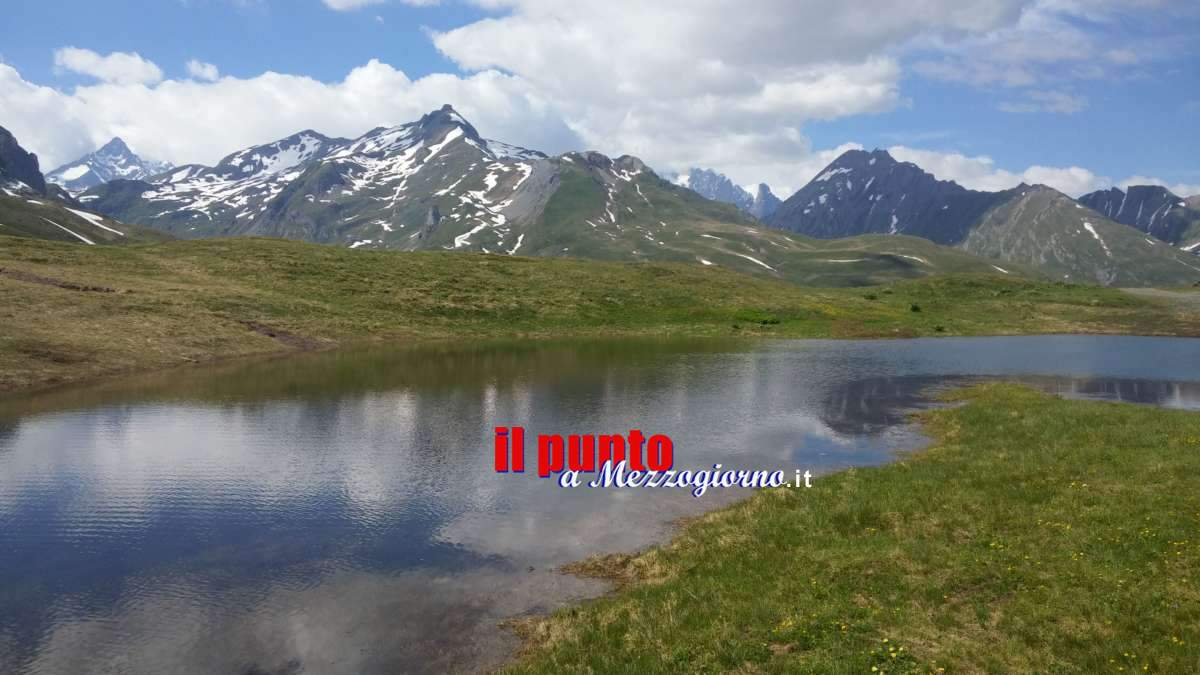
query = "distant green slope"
x=38 y=217
x=1069 y=241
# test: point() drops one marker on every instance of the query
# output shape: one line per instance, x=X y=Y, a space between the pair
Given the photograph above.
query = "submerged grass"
x=195 y=301
x=1036 y=535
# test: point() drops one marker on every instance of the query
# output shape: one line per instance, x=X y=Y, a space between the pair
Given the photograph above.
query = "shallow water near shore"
x=339 y=513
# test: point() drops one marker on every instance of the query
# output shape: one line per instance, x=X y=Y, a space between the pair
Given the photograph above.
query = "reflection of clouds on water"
x=347 y=518
x=583 y=523
x=371 y=453
x=351 y=622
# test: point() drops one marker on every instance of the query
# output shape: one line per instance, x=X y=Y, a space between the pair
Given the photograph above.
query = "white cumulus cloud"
x=1180 y=189
x=981 y=173
x=117 y=67
x=712 y=83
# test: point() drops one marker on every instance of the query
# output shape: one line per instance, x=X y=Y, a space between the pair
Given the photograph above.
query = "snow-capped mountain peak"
x=114 y=160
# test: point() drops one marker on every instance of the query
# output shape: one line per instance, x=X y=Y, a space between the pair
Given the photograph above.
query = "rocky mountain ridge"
x=718 y=187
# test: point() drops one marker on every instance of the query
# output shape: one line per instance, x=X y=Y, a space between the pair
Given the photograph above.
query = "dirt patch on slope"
x=294 y=340
x=31 y=278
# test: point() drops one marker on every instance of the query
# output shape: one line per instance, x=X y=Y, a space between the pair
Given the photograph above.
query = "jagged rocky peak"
x=864 y=158
x=17 y=166
x=630 y=164
x=114 y=147
x=876 y=162
x=717 y=187
x=591 y=158
x=1133 y=206
x=1103 y=198
x=765 y=202
x=623 y=168
x=881 y=165
x=434 y=124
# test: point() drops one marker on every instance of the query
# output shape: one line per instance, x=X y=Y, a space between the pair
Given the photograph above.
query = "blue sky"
x=242 y=38
x=1076 y=93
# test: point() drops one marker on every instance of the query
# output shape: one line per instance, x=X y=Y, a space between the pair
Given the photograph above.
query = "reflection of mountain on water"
x=352 y=372
x=8 y=431
x=871 y=406
x=1184 y=395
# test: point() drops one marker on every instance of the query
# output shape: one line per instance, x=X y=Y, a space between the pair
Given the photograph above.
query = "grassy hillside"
x=44 y=218
x=1190 y=240
x=71 y=312
x=1037 y=535
x=1065 y=240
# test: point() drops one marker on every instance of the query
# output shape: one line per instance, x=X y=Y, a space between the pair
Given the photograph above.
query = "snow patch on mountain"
x=1090 y=228
x=95 y=220
x=73 y=233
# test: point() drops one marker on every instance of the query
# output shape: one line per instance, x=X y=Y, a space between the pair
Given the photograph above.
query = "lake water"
x=339 y=513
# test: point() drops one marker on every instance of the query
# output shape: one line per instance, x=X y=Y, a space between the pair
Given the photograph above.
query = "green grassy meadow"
x=1036 y=535
x=179 y=302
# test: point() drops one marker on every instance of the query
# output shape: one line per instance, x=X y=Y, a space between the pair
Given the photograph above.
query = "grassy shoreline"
x=1035 y=534
x=75 y=313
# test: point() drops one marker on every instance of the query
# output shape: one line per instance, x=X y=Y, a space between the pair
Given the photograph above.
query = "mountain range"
x=437 y=184
x=870 y=192
x=111 y=162
x=431 y=183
